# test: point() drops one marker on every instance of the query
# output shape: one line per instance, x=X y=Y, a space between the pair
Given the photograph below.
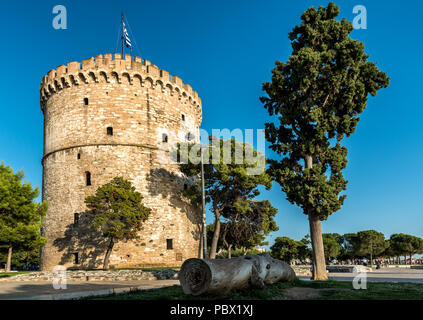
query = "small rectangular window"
x=169 y=244
x=164 y=137
x=183 y=117
x=109 y=131
x=76 y=218
x=75 y=258
x=86 y=101
x=88 y=178
x=79 y=156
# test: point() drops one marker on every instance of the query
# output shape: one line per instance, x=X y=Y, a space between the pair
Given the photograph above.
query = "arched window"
x=88 y=178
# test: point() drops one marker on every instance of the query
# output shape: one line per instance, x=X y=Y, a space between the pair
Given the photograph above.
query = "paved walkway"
x=43 y=290
x=383 y=275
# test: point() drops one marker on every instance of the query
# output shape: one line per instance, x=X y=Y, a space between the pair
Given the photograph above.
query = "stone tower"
x=112 y=117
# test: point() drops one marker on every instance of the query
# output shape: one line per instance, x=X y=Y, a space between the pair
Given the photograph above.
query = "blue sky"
x=225 y=50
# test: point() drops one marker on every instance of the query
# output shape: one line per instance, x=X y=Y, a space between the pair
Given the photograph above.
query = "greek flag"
x=125 y=34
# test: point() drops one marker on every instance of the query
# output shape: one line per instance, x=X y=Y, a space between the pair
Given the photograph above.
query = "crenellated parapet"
x=112 y=68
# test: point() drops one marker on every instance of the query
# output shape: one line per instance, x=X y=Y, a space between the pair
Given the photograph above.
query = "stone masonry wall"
x=140 y=103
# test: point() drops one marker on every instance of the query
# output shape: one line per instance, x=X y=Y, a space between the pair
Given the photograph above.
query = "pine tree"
x=20 y=217
x=117 y=211
x=317 y=97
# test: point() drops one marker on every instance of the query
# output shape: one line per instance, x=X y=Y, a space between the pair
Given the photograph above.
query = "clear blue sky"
x=225 y=50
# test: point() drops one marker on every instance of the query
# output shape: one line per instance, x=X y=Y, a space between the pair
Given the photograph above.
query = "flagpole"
x=122 y=38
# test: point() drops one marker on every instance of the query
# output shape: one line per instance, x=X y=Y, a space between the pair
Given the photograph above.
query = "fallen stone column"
x=220 y=276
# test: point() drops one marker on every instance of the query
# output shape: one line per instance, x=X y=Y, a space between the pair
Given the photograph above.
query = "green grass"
x=328 y=290
x=11 y=274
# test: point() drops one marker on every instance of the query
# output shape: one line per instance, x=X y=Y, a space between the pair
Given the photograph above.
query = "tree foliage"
x=249 y=228
x=287 y=249
x=332 y=244
x=20 y=216
x=370 y=243
x=117 y=211
x=228 y=185
x=318 y=96
x=405 y=244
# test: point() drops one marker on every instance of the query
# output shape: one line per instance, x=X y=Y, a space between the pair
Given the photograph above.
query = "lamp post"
x=203 y=196
x=203 y=205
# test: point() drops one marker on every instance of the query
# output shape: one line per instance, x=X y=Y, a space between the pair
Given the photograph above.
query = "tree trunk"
x=216 y=234
x=9 y=259
x=108 y=252
x=319 y=263
x=219 y=276
x=230 y=251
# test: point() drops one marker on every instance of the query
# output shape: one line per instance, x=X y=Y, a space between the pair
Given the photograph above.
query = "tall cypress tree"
x=317 y=97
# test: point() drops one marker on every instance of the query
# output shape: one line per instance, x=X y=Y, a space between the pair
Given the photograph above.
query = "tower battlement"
x=132 y=70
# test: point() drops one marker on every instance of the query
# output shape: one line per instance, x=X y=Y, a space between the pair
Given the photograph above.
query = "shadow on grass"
x=327 y=290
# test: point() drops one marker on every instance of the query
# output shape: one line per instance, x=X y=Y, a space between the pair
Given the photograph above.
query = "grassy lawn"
x=11 y=274
x=318 y=290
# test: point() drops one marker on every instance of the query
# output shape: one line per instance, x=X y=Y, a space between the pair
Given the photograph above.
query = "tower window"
x=169 y=244
x=88 y=178
x=109 y=131
x=182 y=117
x=79 y=156
x=76 y=218
x=164 y=137
x=75 y=258
x=86 y=101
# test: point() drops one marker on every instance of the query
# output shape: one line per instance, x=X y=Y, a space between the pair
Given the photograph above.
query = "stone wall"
x=141 y=103
x=91 y=275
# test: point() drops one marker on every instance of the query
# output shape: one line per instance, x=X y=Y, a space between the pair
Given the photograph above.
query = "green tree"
x=117 y=211
x=332 y=245
x=229 y=184
x=20 y=217
x=285 y=249
x=403 y=244
x=370 y=243
x=349 y=246
x=317 y=97
x=303 y=248
x=248 y=228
